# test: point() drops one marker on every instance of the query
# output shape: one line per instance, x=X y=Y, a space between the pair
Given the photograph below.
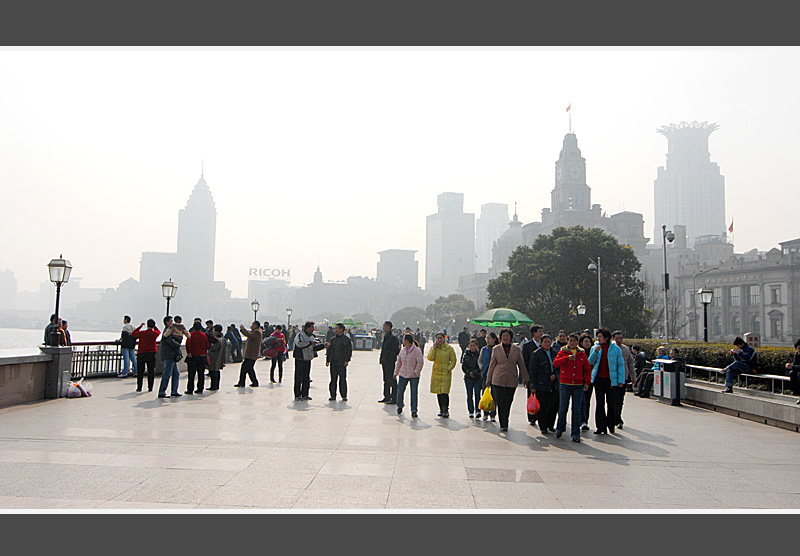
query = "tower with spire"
x=197 y=233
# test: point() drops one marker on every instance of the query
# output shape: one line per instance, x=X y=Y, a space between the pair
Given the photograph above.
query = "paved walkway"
x=259 y=449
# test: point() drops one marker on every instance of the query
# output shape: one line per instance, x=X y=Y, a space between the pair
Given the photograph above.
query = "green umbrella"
x=349 y=321
x=502 y=317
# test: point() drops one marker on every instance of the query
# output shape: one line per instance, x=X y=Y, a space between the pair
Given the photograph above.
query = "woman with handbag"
x=486 y=356
x=444 y=361
x=505 y=369
x=276 y=352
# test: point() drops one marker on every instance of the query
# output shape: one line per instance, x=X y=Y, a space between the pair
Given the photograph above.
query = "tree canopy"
x=452 y=312
x=548 y=280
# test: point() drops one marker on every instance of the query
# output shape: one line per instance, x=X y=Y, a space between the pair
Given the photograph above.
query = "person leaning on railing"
x=794 y=370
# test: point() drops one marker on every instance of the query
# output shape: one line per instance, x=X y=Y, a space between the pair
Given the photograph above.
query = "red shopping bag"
x=533 y=404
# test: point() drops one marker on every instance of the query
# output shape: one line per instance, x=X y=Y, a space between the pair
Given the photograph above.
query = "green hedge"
x=771 y=359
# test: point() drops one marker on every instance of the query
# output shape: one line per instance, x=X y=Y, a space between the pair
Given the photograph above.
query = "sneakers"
x=503 y=429
x=584 y=426
x=486 y=417
x=344 y=399
x=728 y=390
x=413 y=413
x=471 y=415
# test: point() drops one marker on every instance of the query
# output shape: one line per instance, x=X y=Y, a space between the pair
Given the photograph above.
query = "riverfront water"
x=18 y=338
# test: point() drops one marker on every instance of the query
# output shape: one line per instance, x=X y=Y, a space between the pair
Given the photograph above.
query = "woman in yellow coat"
x=444 y=361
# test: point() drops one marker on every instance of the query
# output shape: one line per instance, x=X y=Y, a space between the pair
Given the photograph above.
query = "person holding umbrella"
x=505 y=367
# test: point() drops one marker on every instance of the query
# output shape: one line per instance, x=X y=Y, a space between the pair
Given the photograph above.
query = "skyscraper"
x=399 y=268
x=197 y=233
x=690 y=190
x=491 y=224
x=450 y=245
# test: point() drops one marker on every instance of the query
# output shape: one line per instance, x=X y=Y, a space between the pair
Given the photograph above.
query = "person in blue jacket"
x=485 y=357
x=744 y=361
x=608 y=374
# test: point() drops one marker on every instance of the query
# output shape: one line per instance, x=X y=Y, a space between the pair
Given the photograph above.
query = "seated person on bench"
x=745 y=360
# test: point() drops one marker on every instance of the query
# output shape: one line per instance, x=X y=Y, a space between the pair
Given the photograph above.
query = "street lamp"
x=667 y=236
x=168 y=290
x=581 y=309
x=255 y=305
x=706 y=295
x=289 y=317
x=694 y=303
x=595 y=267
x=60 y=270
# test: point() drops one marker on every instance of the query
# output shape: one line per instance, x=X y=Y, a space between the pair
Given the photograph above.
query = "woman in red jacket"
x=574 y=378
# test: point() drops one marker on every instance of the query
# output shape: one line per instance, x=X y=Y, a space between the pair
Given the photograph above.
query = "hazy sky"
x=331 y=156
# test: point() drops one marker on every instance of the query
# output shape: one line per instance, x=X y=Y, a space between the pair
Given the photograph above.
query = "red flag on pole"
x=568 y=107
x=730 y=228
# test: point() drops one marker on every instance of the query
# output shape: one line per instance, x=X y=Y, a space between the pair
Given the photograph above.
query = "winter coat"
x=573 y=372
x=486 y=357
x=216 y=353
x=389 y=349
x=341 y=350
x=444 y=361
x=306 y=344
x=627 y=356
x=540 y=368
x=616 y=365
x=252 y=346
x=409 y=362
x=470 y=364
x=504 y=369
x=278 y=348
x=197 y=344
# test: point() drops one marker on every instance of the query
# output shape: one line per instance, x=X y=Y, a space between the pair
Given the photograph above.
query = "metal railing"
x=90 y=359
x=711 y=374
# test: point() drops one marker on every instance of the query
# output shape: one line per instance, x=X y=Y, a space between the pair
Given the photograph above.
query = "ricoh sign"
x=269 y=274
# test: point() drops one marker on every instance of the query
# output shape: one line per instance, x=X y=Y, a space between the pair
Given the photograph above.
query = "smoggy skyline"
x=327 y=157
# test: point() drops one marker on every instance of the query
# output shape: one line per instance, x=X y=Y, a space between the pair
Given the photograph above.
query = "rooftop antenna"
x=569 y=111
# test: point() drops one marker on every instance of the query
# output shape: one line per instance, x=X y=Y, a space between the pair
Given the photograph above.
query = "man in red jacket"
x=196 y=347
x=146 y=354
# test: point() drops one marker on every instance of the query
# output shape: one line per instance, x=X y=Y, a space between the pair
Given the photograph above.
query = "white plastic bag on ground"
x=74 y=391
x=85 y=388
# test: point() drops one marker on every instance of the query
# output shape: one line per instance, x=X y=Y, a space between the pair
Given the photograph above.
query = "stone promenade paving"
x=258 y=449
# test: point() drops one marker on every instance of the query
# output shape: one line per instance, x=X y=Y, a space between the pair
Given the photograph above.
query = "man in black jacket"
x=340 y=350
x=527 y=351
x=544 y=384
x=463 y=339
x=389 y=352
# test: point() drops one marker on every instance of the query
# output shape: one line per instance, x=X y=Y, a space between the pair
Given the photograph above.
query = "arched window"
x=716 y=328
x=756 y=325
x=736 y=326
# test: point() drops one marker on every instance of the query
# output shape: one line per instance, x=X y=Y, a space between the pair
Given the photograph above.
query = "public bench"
x=716 y=373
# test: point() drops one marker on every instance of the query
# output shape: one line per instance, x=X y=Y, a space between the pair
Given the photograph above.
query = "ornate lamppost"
x=706 y=295
x=168 y=290
x=255 y=305
x=60 y=270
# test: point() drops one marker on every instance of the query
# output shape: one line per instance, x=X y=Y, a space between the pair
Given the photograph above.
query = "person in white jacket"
x=407 y=370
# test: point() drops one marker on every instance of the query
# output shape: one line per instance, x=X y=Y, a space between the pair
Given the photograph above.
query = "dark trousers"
x=444 y=401
x=389 y=382
x=143 y=359
x=338 y=376
x=214 y=376
x=236 y=352
x=302 y=376
x=196 y=365
x=548 y=408
x=276 y=361
x=586 y=401
x=248 y=370
x=644 y=384
x=605 y=413
x=504 y=397
x=620 y=401
x=474 y=393
x=794 y=379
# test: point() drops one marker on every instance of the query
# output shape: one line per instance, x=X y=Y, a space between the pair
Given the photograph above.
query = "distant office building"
x=197 y=237
x=8 y=290
x=450 y=245
x=398 y=267
x=690 y=190
x=492 y=222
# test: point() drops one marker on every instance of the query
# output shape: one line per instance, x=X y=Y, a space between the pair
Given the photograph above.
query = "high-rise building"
x=399 y=268
x=197 y=235
x=690 y=190
x=450 y=245
x=491 y=224
x=8 y=290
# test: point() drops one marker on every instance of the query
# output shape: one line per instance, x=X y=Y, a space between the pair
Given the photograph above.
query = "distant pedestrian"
x=170 y=351
x=276 y=353
x=630 y=373
x=608 y=375
x=306 y=346
x=232 y=335
x=128 y=345
x=463 y=339
x=66 y=339
x=506 y=368
x=196 y=352
x=337 y=357
x=639 y=363
x=146 y=356
x=745 y=360
x=486 y=357
x=388 y=360
x=471 y=367
x=481 y=339
x=216 y=357
x=252 y=349
x=794 y=370
x=574 y=381
x=49 y=330
x=444 y=361
x=407 y=371
x=544 y=384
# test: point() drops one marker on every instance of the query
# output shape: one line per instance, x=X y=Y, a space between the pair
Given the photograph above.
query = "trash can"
x=673 y=381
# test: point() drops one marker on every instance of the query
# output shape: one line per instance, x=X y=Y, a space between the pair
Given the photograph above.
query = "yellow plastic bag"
x=486 y=403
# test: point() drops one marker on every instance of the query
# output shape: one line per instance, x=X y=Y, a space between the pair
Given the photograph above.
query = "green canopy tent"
x=349 y=321
x=502 y=317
